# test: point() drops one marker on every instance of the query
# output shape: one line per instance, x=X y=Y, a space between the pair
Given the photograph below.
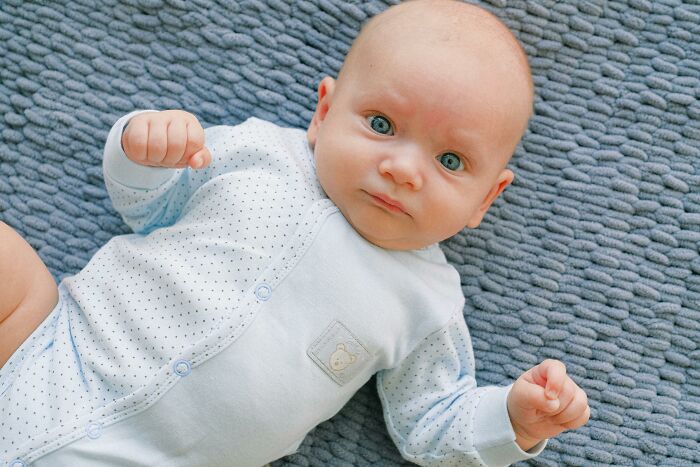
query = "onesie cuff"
x=120 y=169
x=495 y=439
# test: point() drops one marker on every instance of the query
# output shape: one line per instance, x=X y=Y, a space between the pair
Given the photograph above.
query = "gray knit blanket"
x=590 y=257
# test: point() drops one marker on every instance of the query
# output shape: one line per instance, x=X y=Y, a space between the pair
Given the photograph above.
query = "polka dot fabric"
x=142 y=300
x=440 y=405
x=435 y=412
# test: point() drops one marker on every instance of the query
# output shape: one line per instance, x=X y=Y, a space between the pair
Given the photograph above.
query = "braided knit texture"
x=591 y=256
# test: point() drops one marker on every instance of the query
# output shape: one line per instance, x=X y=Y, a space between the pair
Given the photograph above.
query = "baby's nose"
x=405 y=167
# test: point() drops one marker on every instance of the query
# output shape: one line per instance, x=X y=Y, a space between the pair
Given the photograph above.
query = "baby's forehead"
x=445 y=24
x=418 y=29
x=441 y=21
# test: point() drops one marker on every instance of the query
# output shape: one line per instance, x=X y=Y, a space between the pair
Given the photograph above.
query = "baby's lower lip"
x=386 y=205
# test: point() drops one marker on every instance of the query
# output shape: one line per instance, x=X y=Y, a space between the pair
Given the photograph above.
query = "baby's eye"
x=451 y=161
x=380 y=124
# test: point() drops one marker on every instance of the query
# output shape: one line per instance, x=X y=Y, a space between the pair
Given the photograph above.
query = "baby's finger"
x=135 y=140
x=568 y=392
x=200 y=159
x=530 y=397
x=177 y=141
x=555 y=375
x=157 y=141
x=573 y=413
x=195 y=138
x=579 y=422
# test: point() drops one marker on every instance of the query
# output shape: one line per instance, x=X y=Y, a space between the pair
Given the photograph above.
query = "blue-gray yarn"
x=590 y=257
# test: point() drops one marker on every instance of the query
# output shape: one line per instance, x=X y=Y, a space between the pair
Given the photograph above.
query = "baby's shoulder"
x=252 y=127
x=255 y=135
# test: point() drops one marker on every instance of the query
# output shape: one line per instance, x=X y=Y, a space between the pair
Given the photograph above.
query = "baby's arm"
x=435 y=412
x=437 y=415
x=146 y=166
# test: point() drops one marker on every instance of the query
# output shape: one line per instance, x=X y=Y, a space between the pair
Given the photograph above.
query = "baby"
x=273 y=271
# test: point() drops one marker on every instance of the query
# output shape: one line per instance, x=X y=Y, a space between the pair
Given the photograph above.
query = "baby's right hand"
x=171 y=138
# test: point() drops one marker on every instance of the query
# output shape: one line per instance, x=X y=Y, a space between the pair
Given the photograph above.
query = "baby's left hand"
x=543 y=402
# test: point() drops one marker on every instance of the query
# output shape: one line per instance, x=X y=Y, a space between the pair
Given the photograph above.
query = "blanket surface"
x=590 y=257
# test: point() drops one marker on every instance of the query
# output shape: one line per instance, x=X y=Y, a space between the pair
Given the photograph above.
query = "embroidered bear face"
x=341 y=358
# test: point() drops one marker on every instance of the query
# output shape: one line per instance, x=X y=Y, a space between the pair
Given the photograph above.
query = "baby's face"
x=412 y=145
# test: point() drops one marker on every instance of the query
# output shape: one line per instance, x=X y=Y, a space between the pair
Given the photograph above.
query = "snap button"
x=17 y=463
x=263 y=292
x=93 y=430
x=182 y=367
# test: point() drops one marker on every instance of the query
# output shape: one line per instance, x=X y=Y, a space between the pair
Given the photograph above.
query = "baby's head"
x=412 y=140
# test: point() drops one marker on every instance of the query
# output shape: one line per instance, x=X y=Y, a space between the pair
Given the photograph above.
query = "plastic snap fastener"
x=263 y=292
x=93 y=430
x=182 y=367
x=17 y=463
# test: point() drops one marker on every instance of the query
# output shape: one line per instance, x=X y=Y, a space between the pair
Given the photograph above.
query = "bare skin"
x=28 y=292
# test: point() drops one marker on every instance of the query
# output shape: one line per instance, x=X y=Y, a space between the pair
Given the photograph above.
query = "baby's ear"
x=503 y=180
x=325 y=95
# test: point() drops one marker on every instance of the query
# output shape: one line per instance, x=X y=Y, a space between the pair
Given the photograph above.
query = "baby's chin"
x=389 y=239
x=380 y=228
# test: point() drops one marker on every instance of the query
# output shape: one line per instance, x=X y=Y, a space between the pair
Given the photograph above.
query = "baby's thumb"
x=200 y=159
x=533 y=396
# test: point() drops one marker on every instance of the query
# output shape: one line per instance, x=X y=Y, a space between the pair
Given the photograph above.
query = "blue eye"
x=380 y=124
x=451 y=161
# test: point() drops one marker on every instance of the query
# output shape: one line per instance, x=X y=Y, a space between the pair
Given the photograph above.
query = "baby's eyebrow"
x=465 y=145
x=390 y=100
x=399 y=102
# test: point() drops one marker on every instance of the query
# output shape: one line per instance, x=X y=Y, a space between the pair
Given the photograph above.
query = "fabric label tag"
x=339 y=353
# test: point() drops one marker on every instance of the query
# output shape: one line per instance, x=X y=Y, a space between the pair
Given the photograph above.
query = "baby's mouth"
x=387 y=203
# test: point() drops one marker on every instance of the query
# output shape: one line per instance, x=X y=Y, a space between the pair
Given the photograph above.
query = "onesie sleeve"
x=145 y=197
x=435 y=413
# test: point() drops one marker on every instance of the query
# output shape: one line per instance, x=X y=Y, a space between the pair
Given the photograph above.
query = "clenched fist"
x=545 y=401
x=171 y=138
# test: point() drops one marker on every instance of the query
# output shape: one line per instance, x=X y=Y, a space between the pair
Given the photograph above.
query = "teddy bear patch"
x=339 y=353
x=341 y=358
